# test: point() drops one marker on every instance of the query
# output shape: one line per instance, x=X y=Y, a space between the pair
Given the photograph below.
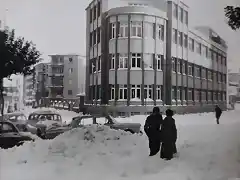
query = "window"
x=122 y=92
x=183 y=67
x=210 y=75
x=5 y=128
x=99 y=8
x=191 y=44
x=70 y=70
x=190 y=95
x=209 y=96
x=123 y=61
x=175 y=35
x=180 y=38
x=94 y=12
x=204 y=51
x=180 y=14
x=179 y=94
x=113 y=62
x=184 y=94
x=174 y=65
x=185 y=41
x=175 y=10
x=148 y=92
x=70 y=92
x=91 y=39
x=203 y=73
x=224 y=96
x=174 y=93
x=98 y=34
x=136 y=29
x=70 y=82
x=161 y=32
x=91 y=17
x=190 y=70
x=99 y=63
x=136 y=91
x=198 y=48
x=158 y=92
x=70 y=60
x=136 y=60
x=94 y=37
x=198 y=72
x=123 y=31
x=113 y=31
x=159 y=62
x=112 y=92
x=178 y=66
x=185 y=17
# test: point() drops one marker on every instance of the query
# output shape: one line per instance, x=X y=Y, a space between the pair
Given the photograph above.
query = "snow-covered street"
x=207 y=151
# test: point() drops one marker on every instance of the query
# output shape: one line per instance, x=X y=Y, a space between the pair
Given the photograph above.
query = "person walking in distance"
x=218 y=113
x=152 y=129
x=169 y=136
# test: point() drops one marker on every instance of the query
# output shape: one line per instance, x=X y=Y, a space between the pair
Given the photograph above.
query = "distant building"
x=28 y=89
x=66 y=76
x=12 y=93
x=40 y=81
x=143 y=53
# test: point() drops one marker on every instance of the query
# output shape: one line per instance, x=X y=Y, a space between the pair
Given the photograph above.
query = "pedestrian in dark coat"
x=218 y=113
x=152 y=129
x=169 y=136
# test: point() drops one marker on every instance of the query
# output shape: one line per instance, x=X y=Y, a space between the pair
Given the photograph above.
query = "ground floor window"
x=136 y=91
x=122 y=92
x=112 y=92
x=148 y=92
x=158 y=92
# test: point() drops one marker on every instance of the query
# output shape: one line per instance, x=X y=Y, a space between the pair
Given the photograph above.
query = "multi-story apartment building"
x=40 y=81
x=66 y=75
x=28 y=89
x=142 y=52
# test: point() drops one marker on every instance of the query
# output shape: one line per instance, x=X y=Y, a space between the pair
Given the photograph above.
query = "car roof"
x=14 y=114
x=43 y=112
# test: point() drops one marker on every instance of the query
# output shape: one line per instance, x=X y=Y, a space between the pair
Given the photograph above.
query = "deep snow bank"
x=207 y=151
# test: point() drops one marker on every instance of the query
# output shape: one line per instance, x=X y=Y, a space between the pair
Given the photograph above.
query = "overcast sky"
x=58 y=26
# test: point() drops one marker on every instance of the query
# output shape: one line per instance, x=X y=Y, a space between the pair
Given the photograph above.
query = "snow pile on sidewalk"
x=207 y=151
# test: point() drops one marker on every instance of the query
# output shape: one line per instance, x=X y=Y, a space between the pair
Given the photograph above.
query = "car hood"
x=58 y=128
x=29 y=135
x=129 y=124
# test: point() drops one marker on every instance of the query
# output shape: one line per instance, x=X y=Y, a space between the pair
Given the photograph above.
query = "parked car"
x=129 y=127
x=78 y=122
x=10 y=136
x=20 y=121
x=43 y=119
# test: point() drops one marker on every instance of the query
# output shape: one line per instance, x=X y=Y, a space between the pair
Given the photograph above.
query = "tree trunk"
x=1 y=97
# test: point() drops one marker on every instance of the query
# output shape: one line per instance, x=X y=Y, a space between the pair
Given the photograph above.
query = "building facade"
x=28 y=90
x=40 y=81
x=143 y=53
x=66 y=76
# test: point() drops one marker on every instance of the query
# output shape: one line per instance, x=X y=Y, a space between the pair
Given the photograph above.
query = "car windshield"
x=17 y=118
x=45 y=117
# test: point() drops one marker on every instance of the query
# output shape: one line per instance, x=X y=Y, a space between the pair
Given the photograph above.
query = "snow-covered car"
x=42 y=119
x=10 y=136
x=80 y=121
x=20 y=121
x=129 y=127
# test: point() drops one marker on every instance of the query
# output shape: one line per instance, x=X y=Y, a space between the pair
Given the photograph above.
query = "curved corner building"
x=141 y=53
